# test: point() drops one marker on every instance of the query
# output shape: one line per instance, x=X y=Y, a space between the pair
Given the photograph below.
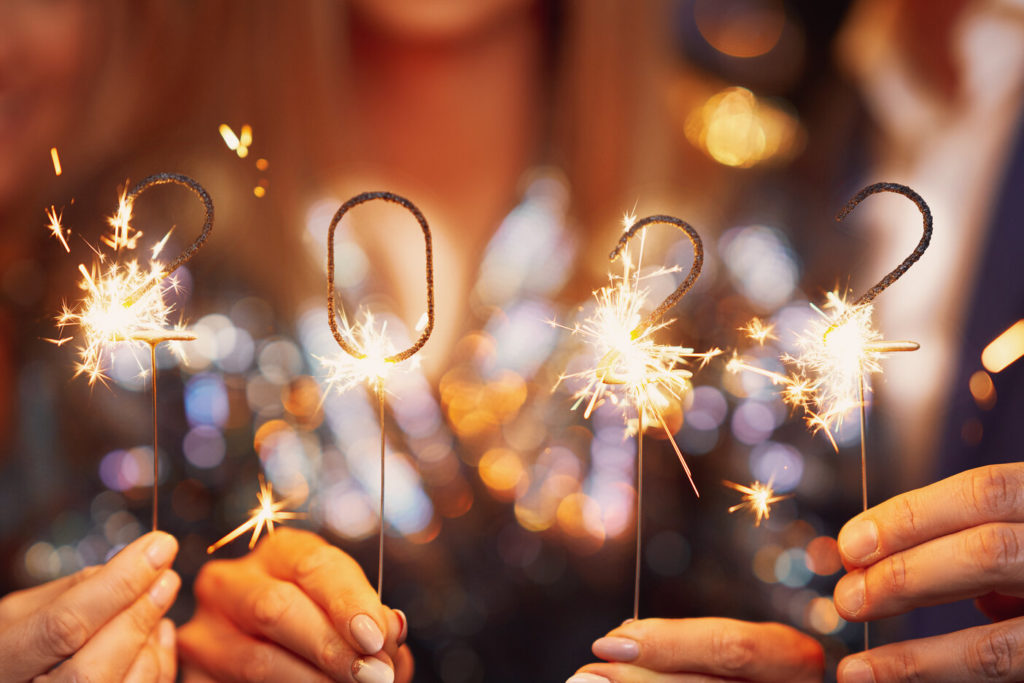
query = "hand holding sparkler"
x=369 y=356
x=101 y=623
x=295 y=609
x=708 y=649
x=956 y=539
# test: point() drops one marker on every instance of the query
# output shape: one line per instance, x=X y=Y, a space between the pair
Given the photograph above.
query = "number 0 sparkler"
x=125 y=300
x=368 y=355
x=648 y=372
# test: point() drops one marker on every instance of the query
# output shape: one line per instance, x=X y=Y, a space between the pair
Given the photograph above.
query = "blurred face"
x=42 y=70
x=438 y=20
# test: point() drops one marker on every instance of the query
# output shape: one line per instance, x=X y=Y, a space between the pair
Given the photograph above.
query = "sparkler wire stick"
x=639 y=508
x=377 y=382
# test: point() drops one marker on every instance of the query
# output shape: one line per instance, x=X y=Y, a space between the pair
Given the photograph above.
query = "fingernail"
x=855 y=671
x=849 y=593
x=161 y=549
x=859 y=540
x=615 y=649
x=166 y=634
x=370 y=670
x=587 y=678
x=627 y=621
x=403 y=630
x=366 y=633
x=165 y=588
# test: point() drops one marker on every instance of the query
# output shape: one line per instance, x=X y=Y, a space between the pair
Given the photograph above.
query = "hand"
x=962 y=537
x=100 y=624
x=700 y=650
x=294 y=609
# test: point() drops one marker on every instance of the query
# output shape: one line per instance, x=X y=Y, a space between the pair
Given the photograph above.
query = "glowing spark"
x=1005 y=349
x=645 y=372
x=159 y=246
x=123 y=301
x=759 y=331
x=345 y=371
x=56 y=229
x=758 y=498
x=240 y=143
x=61 y=341
x=230 y=139
x=56 y=161
x=838 y=350
x=266 y=515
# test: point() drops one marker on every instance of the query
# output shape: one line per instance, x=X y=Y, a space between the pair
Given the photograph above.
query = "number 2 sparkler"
x=628 y=357
x=368 y=354
x=124 y=301
x=841 y=348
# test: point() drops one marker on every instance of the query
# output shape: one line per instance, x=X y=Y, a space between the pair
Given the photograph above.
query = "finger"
x=146 y=667
x=279 y=611
x=965 y=564
x=720 y=647
x=984 y=653
x=110 y=653
x=212 y=648
x=404 y=665
x=62 y=627
x=999 y=607
x=986 y=494
x=334 y=581
x=628 y=673
x=167 y=652
x=20 y=604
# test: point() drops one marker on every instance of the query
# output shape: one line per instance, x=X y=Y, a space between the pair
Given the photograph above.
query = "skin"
x=284 y=612
x=960 y=538
x=712 y=649
x=103 y=623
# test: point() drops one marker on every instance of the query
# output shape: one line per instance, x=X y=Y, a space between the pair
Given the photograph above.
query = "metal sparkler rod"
x=331 y=315
x=698 y=262
x=190 y=251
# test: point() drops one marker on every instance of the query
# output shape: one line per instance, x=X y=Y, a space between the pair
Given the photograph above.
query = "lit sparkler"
x=645 y=372
x=124 y=299
x=841 y=349
x=268 y=513
x=758 y=498
x=369 y=356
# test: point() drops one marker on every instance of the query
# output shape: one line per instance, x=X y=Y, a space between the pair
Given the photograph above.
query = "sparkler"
x=124 y=301
x=648 y=373
x=841 y=348
x=265 y=515
x=369 y=356
x=758 y=498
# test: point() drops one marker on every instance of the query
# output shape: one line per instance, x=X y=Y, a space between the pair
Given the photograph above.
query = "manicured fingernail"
x=849 y=595
x=166 y=587
x=615 y=649
x=161 y=549
x=587 y=678
x=403 y=629
x=166 y=634
x=367 y=634
x=859 y=540
x=370 y=670
x=855 y=671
